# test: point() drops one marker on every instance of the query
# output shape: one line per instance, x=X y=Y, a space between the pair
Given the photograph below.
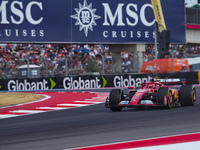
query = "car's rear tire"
x=187 y=95
x=114 y=99
x=164 y=96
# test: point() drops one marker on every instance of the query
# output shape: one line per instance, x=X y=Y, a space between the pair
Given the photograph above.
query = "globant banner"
x=87 y=21
x=90 y=81
x=75 y=82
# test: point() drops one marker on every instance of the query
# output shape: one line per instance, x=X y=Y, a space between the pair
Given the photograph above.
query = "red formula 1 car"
x=158 y=94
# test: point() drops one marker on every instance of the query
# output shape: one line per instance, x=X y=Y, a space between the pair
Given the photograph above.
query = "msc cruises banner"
x=90 y=21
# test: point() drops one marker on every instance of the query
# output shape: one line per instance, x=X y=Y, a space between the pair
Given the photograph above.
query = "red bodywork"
x=148 y=88
x=158 y=93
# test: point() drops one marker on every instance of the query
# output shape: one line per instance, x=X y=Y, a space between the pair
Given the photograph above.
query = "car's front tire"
x=165 y=97
x=114 y=99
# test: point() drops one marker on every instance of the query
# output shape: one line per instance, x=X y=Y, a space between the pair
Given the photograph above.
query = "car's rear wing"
x=172 y=81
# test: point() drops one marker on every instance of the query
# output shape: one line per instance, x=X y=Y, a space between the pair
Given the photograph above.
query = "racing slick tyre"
x=114 y=99
x=187 y=95
x=165 y=97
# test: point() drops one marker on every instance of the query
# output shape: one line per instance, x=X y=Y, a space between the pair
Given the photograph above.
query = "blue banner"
x=87 y=21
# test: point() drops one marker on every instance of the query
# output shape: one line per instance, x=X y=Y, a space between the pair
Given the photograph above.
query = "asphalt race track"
x=94 y=125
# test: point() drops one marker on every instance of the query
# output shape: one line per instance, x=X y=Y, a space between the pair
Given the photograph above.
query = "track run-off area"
x=77 y=119
x=54 y=101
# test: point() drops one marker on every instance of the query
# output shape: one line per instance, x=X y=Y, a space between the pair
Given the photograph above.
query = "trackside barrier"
x=90 y=81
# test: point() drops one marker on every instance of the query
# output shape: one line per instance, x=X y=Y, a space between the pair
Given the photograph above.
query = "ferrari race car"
x=157 y=94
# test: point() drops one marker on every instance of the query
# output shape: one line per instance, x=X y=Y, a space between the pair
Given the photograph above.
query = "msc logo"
x=85 y=17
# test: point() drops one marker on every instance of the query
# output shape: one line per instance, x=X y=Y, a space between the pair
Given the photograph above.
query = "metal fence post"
x=103 y=67
x=172 y=61
x=28 y=69
x=156 y=50
x=135 y=62
x=114 y=65
x=66 y=66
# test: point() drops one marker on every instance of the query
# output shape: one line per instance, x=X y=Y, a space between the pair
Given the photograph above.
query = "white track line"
x=87 y=102
x=27 y=111
x=99 y=97
x=55 y=108
x=179 y=146
x=7 y=116
x=77 y=105
x=95 y=100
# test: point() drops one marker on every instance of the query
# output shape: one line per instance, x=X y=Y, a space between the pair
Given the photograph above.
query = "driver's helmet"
x=150 y=85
